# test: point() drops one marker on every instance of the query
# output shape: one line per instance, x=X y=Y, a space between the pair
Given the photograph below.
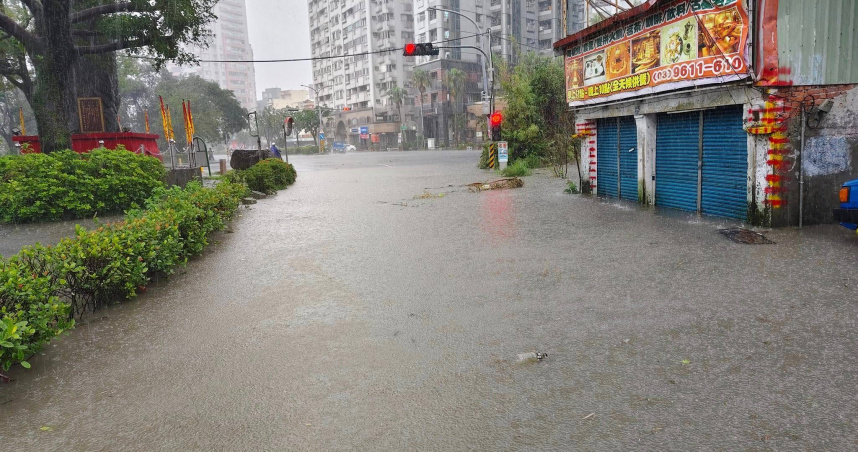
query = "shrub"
x=517 y=169
x=570 y=188
x=64 y=185
x=42 y=289
x=532 y=161
x=267 y=176
x=484 y=157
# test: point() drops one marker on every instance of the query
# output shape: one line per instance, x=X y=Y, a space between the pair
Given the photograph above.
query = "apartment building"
x=444 y=27
x=357 y=88
x=230 y=42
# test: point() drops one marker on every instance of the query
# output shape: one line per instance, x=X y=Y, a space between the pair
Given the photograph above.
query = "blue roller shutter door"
x=725 y=163
x=676 y=159
x=606 y=157
x=628 y=158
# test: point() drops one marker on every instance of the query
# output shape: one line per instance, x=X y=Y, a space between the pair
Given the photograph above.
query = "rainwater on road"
x=355 y=312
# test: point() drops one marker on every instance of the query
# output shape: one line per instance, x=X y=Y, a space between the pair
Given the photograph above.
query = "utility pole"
x=319 y=111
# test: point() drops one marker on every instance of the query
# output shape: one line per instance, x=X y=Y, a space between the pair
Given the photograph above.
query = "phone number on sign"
x=699 y=69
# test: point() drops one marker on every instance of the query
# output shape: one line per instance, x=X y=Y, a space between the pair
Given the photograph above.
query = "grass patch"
x=517 y=169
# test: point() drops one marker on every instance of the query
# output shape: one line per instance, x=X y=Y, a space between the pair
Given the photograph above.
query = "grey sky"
x=280 y=29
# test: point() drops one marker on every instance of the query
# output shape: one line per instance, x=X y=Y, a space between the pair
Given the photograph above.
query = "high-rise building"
x=358 y=89
x=229 y=42
x=436 y=21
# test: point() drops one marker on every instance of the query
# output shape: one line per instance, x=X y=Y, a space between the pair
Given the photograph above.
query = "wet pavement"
x=353 y=312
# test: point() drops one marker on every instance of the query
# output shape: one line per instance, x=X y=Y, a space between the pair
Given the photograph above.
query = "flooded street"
x=354 y=312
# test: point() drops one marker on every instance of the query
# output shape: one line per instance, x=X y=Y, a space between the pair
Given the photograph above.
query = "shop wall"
x=829 y=155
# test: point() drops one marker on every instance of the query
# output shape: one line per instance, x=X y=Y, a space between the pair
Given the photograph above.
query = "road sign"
x=321 y=136
x=364 y=136
x=503 y=152
x=364 y=129
x=355 y=130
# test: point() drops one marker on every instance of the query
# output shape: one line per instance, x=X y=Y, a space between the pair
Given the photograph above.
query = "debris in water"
x=531 y=357
x=745 y=236
x=427 y=195
x=588 y=416
x=499 y=184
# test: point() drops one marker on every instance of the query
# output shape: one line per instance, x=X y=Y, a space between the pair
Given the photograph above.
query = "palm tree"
x=397 y=97
x=454 y=81
x=422 y=81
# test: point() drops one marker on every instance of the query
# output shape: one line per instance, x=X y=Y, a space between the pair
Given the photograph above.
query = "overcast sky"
x=280 y=29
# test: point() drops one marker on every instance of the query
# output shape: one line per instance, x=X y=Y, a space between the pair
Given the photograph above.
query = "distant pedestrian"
x=276 y=151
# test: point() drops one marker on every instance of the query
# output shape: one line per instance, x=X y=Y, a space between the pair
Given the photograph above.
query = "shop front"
x=742 y=109
x=661 y=97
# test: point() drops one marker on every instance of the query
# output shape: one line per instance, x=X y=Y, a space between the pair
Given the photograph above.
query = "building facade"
x=229 y=42
x=719 y=108
x=286 y=98
x=357 y=89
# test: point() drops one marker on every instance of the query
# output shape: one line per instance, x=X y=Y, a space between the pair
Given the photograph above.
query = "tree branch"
x=114 y=46
x=86 y=33
x=95 y=11
x=29 y=40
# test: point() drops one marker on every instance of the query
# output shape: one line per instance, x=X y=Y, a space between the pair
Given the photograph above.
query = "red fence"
x=140 y=143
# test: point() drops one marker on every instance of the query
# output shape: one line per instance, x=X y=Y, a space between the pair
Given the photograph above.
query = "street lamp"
x=319 y=110
x=491 y=58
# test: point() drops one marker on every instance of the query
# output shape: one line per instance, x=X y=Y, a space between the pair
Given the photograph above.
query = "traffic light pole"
x=492 y=71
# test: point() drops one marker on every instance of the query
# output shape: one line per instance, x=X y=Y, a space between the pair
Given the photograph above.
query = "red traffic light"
x=410 y=49
x=496 y=118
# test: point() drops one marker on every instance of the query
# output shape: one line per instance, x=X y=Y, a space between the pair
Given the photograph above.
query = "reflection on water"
x=497 y=215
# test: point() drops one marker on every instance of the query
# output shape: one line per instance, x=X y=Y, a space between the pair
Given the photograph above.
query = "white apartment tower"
x=230 y=42
x=356 y=88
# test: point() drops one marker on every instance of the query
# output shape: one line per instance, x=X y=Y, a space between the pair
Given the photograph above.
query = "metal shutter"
x=725 y=163
x=628 y=158
x=676 y=157
x=606 y=157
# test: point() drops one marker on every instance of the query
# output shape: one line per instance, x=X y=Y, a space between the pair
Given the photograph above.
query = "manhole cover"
x=740 y=235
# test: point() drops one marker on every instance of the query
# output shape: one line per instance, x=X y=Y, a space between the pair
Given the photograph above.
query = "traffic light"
x=420 y=49
x=288 y=125
x=495 y=122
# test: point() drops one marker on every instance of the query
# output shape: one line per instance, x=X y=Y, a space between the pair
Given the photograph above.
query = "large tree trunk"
x=95 y=76
x=54 y=69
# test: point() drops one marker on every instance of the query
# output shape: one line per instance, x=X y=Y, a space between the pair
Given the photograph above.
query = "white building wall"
x=230 y=42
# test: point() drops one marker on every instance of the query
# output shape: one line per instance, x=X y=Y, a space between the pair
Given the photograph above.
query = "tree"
x=454 y=81
x=217 y=113
x=271 y=123
x=422 y=82
x=533 y=114
x=309 y=120
x=397 y=97
x=55 y=34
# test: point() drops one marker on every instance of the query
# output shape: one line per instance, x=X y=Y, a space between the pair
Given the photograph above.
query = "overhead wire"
x=329 y=57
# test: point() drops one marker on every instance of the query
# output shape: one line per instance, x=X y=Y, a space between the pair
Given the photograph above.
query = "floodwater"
x=13 y=237
x=353 y=312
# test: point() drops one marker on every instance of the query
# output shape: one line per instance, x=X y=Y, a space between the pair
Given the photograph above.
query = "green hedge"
x=267 y=176
x=304 y=150
x=66 y=185
x=43 y=289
